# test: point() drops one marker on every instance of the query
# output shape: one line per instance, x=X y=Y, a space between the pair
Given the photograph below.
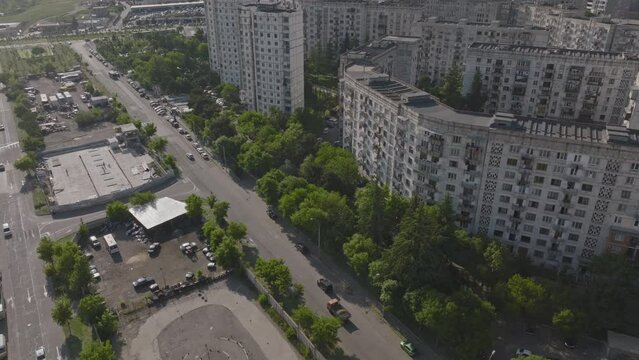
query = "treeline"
x=166 y=59
x=31 y=137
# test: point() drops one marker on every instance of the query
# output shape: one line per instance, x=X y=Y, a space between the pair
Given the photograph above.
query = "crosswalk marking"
x=12 y=145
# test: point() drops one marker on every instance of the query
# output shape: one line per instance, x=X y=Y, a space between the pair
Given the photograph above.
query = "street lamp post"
x=492 y=354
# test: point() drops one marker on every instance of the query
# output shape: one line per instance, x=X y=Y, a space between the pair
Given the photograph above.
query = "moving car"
x=39 y=353
x=190 y=156
x=143 y=281
x=325 y=285
x=6 y=230
x=408 y=347
x=1 y=127
x=1 y=167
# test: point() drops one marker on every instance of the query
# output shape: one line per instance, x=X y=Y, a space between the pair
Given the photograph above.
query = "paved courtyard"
x=219 y=322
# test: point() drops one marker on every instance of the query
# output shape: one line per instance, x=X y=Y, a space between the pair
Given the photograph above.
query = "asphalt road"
x=369 y=336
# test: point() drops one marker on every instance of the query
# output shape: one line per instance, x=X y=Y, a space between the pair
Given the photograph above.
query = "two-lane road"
x=369 y=336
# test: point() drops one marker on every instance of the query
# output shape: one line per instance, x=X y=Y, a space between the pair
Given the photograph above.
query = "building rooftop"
x=427 y=105
x=464 y=21
x=167 y=5
x=624 y=343
x=546 y=51
x=158 y=212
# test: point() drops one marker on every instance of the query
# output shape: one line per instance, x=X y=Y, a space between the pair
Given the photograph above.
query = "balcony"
x=518 y=207
x=467 y=184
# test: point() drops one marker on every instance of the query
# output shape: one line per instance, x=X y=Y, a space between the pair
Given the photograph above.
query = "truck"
x=336 y=309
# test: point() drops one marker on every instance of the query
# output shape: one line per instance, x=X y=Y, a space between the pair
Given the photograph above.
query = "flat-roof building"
x=158 y=212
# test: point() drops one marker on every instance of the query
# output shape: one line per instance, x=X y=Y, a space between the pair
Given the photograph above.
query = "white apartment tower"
x=558 y=192
x=260 y=48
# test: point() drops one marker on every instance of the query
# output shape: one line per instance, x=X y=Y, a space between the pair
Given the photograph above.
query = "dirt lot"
x=72 y=133
x=168 y=266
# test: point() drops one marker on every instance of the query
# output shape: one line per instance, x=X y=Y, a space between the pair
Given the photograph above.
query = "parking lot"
x=167 y=266
x=62 y=130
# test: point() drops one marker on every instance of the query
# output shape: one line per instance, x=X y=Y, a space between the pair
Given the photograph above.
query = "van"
x=3 y=347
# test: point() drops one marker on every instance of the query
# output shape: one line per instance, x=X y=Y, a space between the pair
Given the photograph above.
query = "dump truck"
x=336 y=309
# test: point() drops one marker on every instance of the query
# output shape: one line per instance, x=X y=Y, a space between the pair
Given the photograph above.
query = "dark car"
x=1 y=167
x=301 y=248
x=271 y=212
x=325 y=285
x=143 y=281
x=570 y=343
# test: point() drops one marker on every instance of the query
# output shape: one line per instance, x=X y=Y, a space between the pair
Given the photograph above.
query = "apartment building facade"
x=446 y=43
x=260 y=48
x=557 y=192
x=339 y=25
x=541 y=82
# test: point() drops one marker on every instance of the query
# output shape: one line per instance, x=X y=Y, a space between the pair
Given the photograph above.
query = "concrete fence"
x=278 y=308
x=159 y=181
x=68 y=149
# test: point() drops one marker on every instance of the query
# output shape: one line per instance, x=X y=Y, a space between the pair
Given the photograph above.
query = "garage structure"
x=161 y=214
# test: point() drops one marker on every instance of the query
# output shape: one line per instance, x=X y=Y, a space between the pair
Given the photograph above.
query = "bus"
x=111 y=244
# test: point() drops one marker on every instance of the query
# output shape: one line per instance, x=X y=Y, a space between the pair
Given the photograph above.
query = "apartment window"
x=511 y=162
x=573 y=237
x=515 y=148
x=507 y=187
x=634 y=166
x=500 y=222
x=618 y=219
x=625 y=194
x=536 y=192
x=577 y=158
x=457 y=139
x=510 y=175
x=558 y=169
x=538 y=254
x=622 y=207
x=528 y=228
x=553 y=195
x=546 y=219
x=525 y=239
x=502 y=210
x=580 y=213
x=549 y=207
x=586 y=187
x=544 y=231
x=555 y=182
x=630 y=180
x=542 y=167
x=452 y=163
x=541 y=242
x=570 y=249
x=577 y=225
x=544 y=153
x=450 y=187
x=561 y=155
x=452 y=176
x=533 y=204
x=504 y=198
x=538 y=180
x=454 y=152
x=583 y=200
x=498 y=233
x=530 y=216
x=594 y=161
x=567 y=260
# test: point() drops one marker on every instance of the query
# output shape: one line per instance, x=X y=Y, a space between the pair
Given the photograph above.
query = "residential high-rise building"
x=556 y=191
x=541 y=82
x=260 y=48
x=445 y=43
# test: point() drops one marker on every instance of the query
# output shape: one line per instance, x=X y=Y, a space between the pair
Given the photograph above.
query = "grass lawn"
x=40 y=202
x=43 y=9
x=21 y=62
x=77 y=334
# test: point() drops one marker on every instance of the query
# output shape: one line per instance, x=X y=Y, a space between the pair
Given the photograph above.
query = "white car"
x=523 y=352
x=39 y=353
x=6 y=230
x=94 y=241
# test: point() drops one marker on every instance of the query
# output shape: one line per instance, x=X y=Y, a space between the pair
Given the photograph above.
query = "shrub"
x=262 y=299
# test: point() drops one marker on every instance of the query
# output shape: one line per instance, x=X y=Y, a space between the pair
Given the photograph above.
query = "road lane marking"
x=57 y=349
x=45 y=291
x=10 y=301
x=10 y=145
x=28 y=295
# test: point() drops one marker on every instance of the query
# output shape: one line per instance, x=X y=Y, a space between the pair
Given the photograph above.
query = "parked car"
x=6 y=230
x=94 y=241
x=88 y=255
x=2 y=167
x=189 y=276
x=188 y=137
x=301 y=248
x=325 y=285
x=523 y=352
x=210 y=266
x=145 y=280
x=408 y=347
x=190 y=156
x=40 y=353
x=153 y=248
x=271 y=212
x=205 y=156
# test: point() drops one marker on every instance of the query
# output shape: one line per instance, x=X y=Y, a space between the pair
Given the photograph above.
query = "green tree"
x=158 y=144
x=91 y=308
x=216 y=236
x=148 y=130
x=531 y=357
x=275 y=275
x=254 y=158
x=389 y=293
x=61 y=311
x=228 y=254
x=475 y=99
x=566 y=321
x=117 y=211
x=26 y=163
x=107 y=325
x=333 y=168
x=210 y=201
x=304 y=317
x=141 y=198
x=360 y=251
x=46 y=249
x=236 y=231
x=450 y=91
x=525 y=295
x=220 y=211
x=229 y=92
x=370 y=203
x=267 y=186
x=208 y=227
x=37 y=51
x=170 y=161
x=95 y=350
x=324 y=332
x=290 y=183
x=194 y=207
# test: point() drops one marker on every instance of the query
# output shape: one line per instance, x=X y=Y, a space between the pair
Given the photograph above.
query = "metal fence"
x=278 y=308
